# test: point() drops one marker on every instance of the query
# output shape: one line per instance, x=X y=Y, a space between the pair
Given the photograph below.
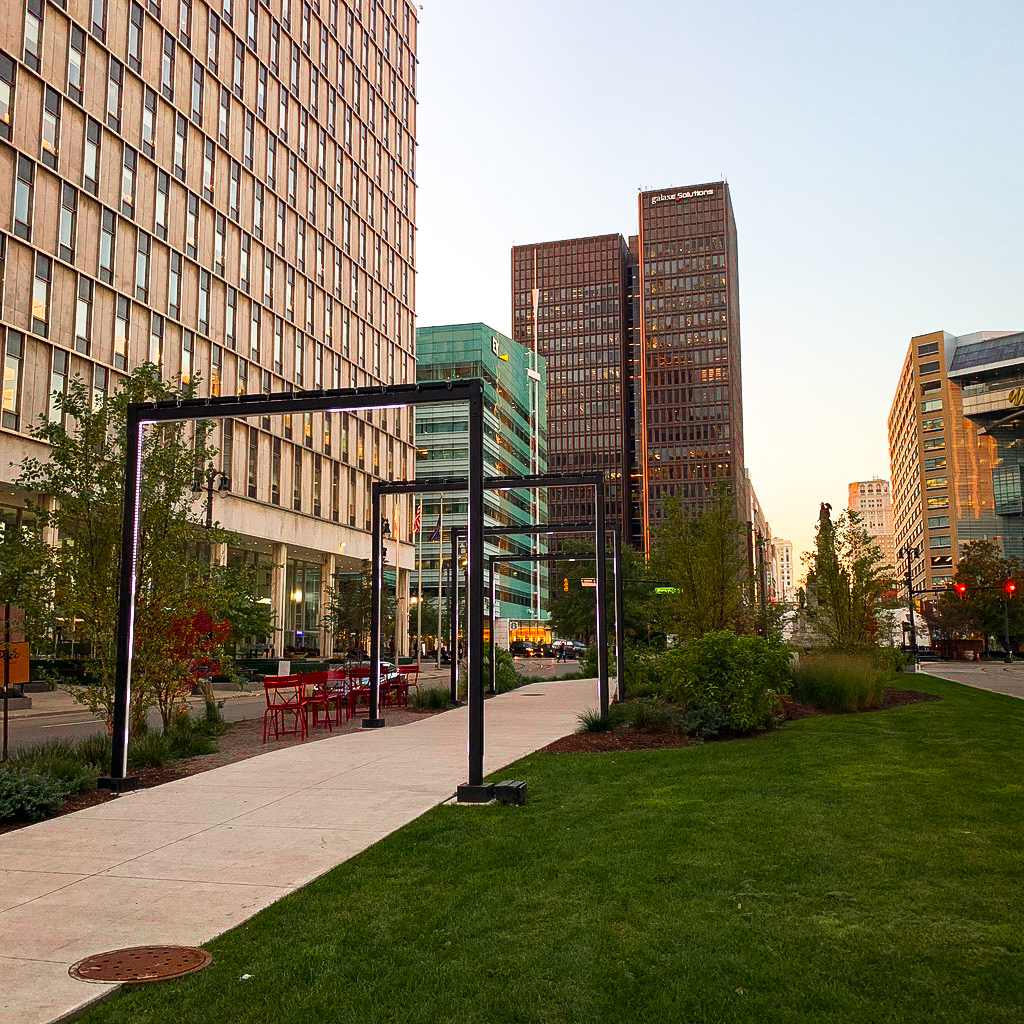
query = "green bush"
x=189 y=738
x=96 y=751
x=506 y=675
x=28 y=793
x=740 y=675
x=642 y=713
x=149 y=750
x=840 y=682
x=431 y=698
x=592 y=720
x=59 y=760
x=704 y=722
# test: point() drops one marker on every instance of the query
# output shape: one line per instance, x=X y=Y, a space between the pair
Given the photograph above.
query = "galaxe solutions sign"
x=675 y=197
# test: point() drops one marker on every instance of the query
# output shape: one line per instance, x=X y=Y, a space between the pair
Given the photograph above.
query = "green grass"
x=860 y=868
x=842 y=682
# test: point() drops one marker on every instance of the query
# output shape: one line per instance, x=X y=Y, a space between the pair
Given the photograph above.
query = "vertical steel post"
x=602 y=607
x=7 y=676
x=475 y=791
x=118 y=778
x=620 y=625
x=373 y=719
x=453 y=615
x=493 y=686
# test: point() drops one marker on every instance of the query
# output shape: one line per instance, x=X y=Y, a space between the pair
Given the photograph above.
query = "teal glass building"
x=515 y=444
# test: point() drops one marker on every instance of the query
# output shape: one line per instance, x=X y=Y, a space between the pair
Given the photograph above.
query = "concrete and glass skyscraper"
x=225 y=189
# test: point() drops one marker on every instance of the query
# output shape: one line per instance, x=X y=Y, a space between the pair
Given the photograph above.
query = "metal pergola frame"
x=141 y=414
x=475 y=791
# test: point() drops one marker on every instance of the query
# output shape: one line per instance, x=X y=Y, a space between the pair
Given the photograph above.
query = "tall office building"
x=226 y=190
x=872 y=501
x=643 y=343
x=955 y=444
x=783 y=569
x=514 y=414
x=690 y=407
x=577 y=293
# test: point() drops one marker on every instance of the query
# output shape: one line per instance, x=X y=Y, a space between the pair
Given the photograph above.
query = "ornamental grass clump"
x=840 y=682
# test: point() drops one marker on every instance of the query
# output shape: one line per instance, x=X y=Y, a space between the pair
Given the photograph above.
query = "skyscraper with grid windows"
x=225 y=188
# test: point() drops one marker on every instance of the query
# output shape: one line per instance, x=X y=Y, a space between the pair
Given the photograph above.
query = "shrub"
x=431 y=698
x=840 y=682
x=28 y=793
x=592 y=720
x=506 y=676
x=742 y=676
x=704 y=721
x=96 y=751
x=60 y=761
x=150 y=750
x=642 y=714
x=189 y=738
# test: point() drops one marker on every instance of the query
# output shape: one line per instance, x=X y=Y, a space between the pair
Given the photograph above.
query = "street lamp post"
x=208 y=479
x=911 y=553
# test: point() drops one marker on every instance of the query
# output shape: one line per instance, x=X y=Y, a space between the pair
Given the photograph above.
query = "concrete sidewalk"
x=184 y=862
x=996 y=676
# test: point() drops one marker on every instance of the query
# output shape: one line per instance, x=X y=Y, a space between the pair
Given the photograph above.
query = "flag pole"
x=440 y=576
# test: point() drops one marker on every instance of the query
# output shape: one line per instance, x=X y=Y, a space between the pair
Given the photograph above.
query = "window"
x=76 y=64
x=128 y=182
x=135 y=25
x=261 y=94
x=187 y=355
x=254 y=334
x=180 y=146
x=932 y=367
x=247 y=136
x=275 y=472
x=14 y=354
x=931 y=424
x=268 y=277
x=108 y=242
x=49 y=140
x=298 y=358
x=121 y=328
x=238 y=69
x=213 y=43
x=230 y=313
x=198 y=80
x=252 y=463
x=149 y=122
x=297 y=479
x=252 y=23
x=209 y=156
x=931 y=405
x=192 y=225
x=257 y=210
x=58 y=385
x=174 y=286
x=115 y=74
x=216 y=370
x=939 y=541
x=931 y=443
x=939 y=463
x=942 y=502
x=318 y=483
x=142 y=267
x=34 y=34
x=927 y=350
x=278 y=344
x=223 y=113
x=156 y=339
x=91 y=157
x=204 y=302
x=218 y=242
x=99 y=19
x=24 y=184
x=83 y=316
x=41 y=295
x=185 y=22
x=163 y=189
x=243 y=269
x=936 y=481
x=67 y=224
x=167 y=67
x=234 y=187
x=271 y=159
x=100 y=382
x=937 y=521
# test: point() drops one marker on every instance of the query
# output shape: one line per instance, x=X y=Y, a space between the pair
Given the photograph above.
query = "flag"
x=418 y=521
x=436 y=535
x=394 y=517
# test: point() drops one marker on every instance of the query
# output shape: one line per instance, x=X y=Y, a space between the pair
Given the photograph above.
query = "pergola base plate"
x=124 y=785
x=467 y=794
x=373 y=723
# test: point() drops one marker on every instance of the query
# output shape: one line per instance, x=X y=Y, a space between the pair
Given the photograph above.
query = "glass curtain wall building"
x=510 y=434
x=226 y=190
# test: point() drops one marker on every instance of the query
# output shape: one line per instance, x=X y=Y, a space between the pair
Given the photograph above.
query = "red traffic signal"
x=1010 y=588
x=961 y=590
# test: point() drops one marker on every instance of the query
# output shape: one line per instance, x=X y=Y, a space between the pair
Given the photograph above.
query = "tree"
x=702 y=555
x=24 y=580
x=84 y=474
x=349 y=608
x=847 y=580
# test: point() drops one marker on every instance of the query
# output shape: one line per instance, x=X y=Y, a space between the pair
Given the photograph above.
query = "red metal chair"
x=284 y=697
x=314 y=697
x=337 y=692
x=410 y=675
x=358 y=690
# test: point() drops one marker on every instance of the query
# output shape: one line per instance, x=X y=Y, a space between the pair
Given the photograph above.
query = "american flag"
x=418 y=520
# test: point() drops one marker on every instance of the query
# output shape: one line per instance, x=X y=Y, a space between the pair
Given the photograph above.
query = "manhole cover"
x=141 y=964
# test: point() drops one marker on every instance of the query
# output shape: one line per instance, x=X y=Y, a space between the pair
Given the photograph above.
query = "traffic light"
x=565 y=584
x=1010 y=588
x=961 y=590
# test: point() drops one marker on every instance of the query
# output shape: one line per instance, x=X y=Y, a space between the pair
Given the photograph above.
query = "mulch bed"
x=658 y=739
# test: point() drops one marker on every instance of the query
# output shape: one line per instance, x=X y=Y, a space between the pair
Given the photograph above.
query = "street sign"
x=588 y=583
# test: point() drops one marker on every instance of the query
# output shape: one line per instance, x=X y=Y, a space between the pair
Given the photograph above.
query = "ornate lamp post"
x=911 y=553
x=208 y=479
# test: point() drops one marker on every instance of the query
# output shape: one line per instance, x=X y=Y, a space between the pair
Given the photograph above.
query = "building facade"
x=784 y=570
x=514 y=437
x=643 y=343
x=954 y=443
x=871 y=500
x=227 y=191
x=570 y=299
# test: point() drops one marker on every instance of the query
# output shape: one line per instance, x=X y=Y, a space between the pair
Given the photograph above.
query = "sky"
x=873 y=152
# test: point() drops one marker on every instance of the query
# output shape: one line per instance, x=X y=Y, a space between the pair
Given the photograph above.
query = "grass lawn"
x=858 y=868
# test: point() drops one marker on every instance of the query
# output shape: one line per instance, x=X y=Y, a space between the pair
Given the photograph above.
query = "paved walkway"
x=185 y=862
x=996 y=676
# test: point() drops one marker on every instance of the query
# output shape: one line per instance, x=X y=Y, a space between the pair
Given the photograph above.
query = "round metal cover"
x=141 y=964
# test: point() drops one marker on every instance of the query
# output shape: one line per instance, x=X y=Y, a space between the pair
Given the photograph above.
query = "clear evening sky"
x=873 y=152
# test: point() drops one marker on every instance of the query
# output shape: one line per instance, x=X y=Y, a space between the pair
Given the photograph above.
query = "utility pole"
x=911 y=553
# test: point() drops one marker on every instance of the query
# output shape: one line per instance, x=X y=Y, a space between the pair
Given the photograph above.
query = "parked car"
x=521 y=649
